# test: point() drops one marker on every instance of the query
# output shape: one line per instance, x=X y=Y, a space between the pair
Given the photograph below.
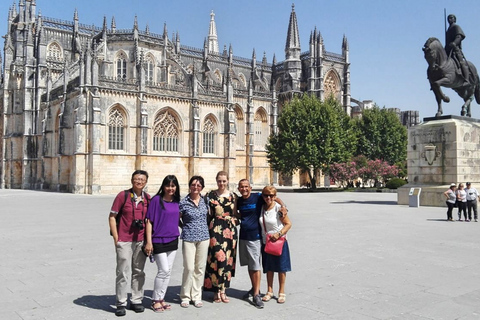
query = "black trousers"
x=462 y=206
x=449 y=210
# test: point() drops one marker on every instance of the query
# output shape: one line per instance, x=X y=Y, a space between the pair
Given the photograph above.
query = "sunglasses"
x=268 y=195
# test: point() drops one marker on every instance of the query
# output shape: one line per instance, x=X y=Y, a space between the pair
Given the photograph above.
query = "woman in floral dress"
x=222 y=250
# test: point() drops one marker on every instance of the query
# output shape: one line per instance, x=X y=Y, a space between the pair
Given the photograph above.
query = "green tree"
x=381 y=136
x=312 y=135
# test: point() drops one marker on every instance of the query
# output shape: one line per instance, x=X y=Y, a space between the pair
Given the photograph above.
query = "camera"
x=138 y=223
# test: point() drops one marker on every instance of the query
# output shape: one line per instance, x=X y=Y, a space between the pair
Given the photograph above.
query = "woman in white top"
x=462 y=203
x=276 y=225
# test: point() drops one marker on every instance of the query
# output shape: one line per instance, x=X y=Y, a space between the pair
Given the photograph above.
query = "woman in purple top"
x=162 y=234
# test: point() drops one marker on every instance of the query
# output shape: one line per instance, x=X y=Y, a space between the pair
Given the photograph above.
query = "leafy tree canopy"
x=381 y=136
x=312 y=135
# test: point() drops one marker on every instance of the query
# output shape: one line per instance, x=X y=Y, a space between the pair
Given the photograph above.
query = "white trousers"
x=194 y=263
x=164 y=262
x=130 y=259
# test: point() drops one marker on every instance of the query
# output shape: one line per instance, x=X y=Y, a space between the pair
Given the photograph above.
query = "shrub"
x=395 y=183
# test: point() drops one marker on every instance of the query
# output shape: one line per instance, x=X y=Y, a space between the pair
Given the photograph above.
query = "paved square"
x=354 y=256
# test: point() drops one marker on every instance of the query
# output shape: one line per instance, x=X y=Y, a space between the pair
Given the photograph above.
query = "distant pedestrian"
x=472 y=198
x=126 y=220
x=451 y=196
x=462 y=203
x=163 y=217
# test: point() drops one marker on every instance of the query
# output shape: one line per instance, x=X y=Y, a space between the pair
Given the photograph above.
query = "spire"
x=264 y=59
x=104 y=23
x=212 y=35
x=344 y=43
x=165 y=31
x=75 y=15
x=293 y=39
x=135 y=23
x=147 y=29
x=113 y=25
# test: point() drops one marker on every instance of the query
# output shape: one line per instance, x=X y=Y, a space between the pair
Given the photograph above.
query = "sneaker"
x=137 y=307
x=257 y=301
x=476 y=220
x=466 y=220
x=121 y=311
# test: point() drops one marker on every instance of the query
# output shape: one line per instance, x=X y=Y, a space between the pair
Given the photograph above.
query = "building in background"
x=83 y=106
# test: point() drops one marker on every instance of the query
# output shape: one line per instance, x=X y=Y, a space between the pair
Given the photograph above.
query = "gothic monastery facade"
x=83 y=106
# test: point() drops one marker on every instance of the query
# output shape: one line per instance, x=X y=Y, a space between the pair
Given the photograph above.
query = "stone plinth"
x=441 y=151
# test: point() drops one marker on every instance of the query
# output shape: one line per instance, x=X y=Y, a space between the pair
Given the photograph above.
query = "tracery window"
x=122 y=66
x=165 y=132
x=261 y=131
x=116 y=129
x=54 y=52
x=331 y=85
x=209 y=135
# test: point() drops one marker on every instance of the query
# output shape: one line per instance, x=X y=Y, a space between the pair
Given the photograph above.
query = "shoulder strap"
x=120 y=211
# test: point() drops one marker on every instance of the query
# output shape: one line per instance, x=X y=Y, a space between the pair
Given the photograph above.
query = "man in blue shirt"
x=249 y=207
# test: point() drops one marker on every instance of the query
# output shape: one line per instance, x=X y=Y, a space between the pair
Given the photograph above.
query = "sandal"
x=216 y=298
x=281 y=298
x=267 y=296
x=224 y=297
x=184 y=304
x=165 y=305
x=198 y=304
x=157 y=309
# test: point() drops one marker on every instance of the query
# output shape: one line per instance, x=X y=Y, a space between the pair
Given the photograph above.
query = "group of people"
x=144 y=226
x=464 y=199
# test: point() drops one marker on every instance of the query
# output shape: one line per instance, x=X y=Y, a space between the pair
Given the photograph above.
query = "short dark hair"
x=199 y=179
x=142 y=172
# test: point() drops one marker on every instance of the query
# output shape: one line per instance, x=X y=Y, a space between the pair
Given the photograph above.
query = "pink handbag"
x=272 y=247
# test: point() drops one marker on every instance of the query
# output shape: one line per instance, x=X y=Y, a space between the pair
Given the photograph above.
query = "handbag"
x=274 y=248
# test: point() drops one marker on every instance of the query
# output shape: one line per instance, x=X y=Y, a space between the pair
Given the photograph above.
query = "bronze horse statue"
x=443 y=71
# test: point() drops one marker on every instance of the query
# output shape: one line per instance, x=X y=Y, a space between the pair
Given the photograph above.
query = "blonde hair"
x=269 y=189
x=221 y=173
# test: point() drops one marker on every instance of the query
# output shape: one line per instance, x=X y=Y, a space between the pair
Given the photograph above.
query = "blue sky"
x=385 y=36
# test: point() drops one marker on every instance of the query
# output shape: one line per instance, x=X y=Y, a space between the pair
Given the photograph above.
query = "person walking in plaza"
x=472 y=198
x=451 y=196
x=249 y=248
x=462 y=203
x=126 y=221
x=222 y=249
x=195 y=236
x=162 y=232
x=274 y=225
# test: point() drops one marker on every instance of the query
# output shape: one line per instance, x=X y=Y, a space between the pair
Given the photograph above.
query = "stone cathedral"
x=83 y=106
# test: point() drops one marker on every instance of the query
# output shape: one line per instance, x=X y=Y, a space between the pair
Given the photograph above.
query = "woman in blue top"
x=195 y=236
x=162 y=236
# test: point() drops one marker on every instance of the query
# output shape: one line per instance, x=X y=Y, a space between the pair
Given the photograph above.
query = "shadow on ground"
x=107 y=302
x=366 y=202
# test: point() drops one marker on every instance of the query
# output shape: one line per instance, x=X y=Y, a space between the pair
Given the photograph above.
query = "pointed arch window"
x=54 y=52
x=116 y=129
x=165 y=132
x=261 y=130
x=209 y=136
x=122 y=66
x=150 y=68
x=331 y=85
x=240 y=139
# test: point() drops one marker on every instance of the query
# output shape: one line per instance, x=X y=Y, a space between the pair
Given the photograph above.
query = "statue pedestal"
x=441 y=151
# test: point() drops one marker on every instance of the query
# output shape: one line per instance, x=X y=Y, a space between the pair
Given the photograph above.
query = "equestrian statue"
x=447 y=67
